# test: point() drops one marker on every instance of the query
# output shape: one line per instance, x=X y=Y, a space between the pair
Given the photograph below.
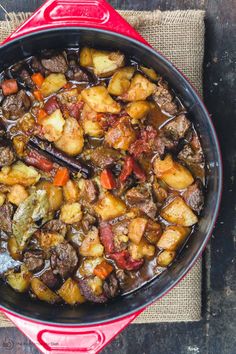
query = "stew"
x=101 y=175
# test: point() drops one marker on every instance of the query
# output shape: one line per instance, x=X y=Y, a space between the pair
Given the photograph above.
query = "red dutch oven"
x=88 y=328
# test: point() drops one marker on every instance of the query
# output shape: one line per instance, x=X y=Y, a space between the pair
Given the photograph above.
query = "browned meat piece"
x=164 y=98
x=88 y=221
x=111 y=286
x=56 y=226
x=89 y=294
x=7 y=156
x=37 y=66
x=104 y=156
x=26 y=78
x=163 y=143
x=77 y=74
x=14 y=106
x=153 y=231
x=120 y=231
x=6 y=213
x=64 y=259
x=89 y=192
x=194 y=196
x=140 y=197
x=177 y=128
x=34 y=260
x=50 y=279
x=55 y=64
x=190 y=156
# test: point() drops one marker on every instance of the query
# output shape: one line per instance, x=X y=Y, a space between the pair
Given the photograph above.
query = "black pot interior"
x=90 y=313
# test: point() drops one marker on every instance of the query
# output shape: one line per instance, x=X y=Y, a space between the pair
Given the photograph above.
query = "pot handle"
x=63 y=340
x=84 y=13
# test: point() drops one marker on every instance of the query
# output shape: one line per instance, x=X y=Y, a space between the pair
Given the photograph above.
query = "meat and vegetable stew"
x=101 y=175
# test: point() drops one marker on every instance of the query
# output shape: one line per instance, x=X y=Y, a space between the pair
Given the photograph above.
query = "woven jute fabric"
x=179 y=35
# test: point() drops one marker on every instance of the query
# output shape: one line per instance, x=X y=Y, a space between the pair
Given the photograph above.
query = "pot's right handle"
x=84 y=13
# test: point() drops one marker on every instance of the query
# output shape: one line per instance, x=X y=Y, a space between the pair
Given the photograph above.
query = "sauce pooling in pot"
x=101 y=175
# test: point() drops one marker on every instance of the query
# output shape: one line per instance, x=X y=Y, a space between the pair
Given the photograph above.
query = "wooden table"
x=215 y=333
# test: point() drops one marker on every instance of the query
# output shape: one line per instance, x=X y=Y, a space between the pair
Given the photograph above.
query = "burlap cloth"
x=179 y=35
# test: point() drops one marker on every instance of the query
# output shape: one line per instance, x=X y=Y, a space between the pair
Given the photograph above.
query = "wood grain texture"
x=215 y=334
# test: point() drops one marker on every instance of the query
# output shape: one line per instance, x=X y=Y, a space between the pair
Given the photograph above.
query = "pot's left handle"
x=84 y=13
x=63 y=340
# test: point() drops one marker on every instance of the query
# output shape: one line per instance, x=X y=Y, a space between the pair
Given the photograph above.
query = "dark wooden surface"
x=216 y=332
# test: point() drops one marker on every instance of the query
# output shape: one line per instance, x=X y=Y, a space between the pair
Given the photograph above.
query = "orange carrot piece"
x=107 y=179
x=38 y=79
x=102 y=270
x=42 y=114
x=37 y=94
x=9 y=87
x=62 y=177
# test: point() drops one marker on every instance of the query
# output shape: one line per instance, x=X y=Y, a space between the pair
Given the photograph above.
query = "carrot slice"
x=107 y=179
x=38 y=79
x=102 y=270
x=9 y=87
x=37 y=94
x=42 y=114
x=62 y=177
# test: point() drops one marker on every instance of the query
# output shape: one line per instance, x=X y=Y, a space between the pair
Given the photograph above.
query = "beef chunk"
x=89 y=294
x=163 y=143
x=37 y=66
x=88 y=221
x=55 y=64
x=177 y=128
x=56 y=226
x=111 y=286
x=190 y=156
x=50 y=279
x=26 y=78
x=7 y=156
x=104 y=156
x=140 y=197
x=64 y=259
x=14 y=106
x=6 y=213
x=89 y=192
x=194 y=196
x=34 y=260
x=77 y=74
x=164 y=98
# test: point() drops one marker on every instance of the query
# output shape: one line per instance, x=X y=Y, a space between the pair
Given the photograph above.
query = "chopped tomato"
x=107 y=237
x=37 y=94
x=62 y=177
x=124 y=260
x=103 y=270
x=107 y=179
x=38 y=79
x=39 y=161
x=9 y=87
x=130 y=166
x=42 y=114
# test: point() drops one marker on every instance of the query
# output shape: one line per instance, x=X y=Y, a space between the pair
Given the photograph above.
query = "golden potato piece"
x=72 y=140
x=150 y=73
x=53 y=126
x=19 y=173
x=106 y=63
x=173 y=237
x=178 y=212
x=2 y=198
x=96 y=285
x=98 y=98
x=138 y=109
x=137 y=228
x=120 y=81
x=71 y=191
x=110 y=207
x=165 y=258
x=14 y=249
x=19 y=281
x=17 y=194
x=54 y=194
x=71 y=213
x=91 y=245
x=52 y=84
x=163 y=166
x=122 y=135
x=48 y=240
x=43 y=292
x=90 y=122
x=143 y=249
x=85 y=57
x=140 y=88
x=70 y=292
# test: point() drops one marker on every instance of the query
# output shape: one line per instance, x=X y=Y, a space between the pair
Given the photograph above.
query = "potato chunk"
x=106 y=63
x=19 y=281
x=140 y=88
x=71 y=191
x=2 y=198
x=54 y=194
x=70 y=292
x=14 y=249
x=122 y=135
x=85 y=57
x=165 y=258
x=43 y=292
x=53 y=83
x=143 y=249
x=120 y=81
x=98 y=98
x=137 y=228
x=72 y=141
x=173 y=173
x=53 y=126
x=150 y=73
x=19 y=173
x=138 y=109
x=178 y=212
x=90 y=122
x=17 y=194
x=91 y=245
x=71 y=213
x=173 y=237
x=48 y=240
x=110 y=207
